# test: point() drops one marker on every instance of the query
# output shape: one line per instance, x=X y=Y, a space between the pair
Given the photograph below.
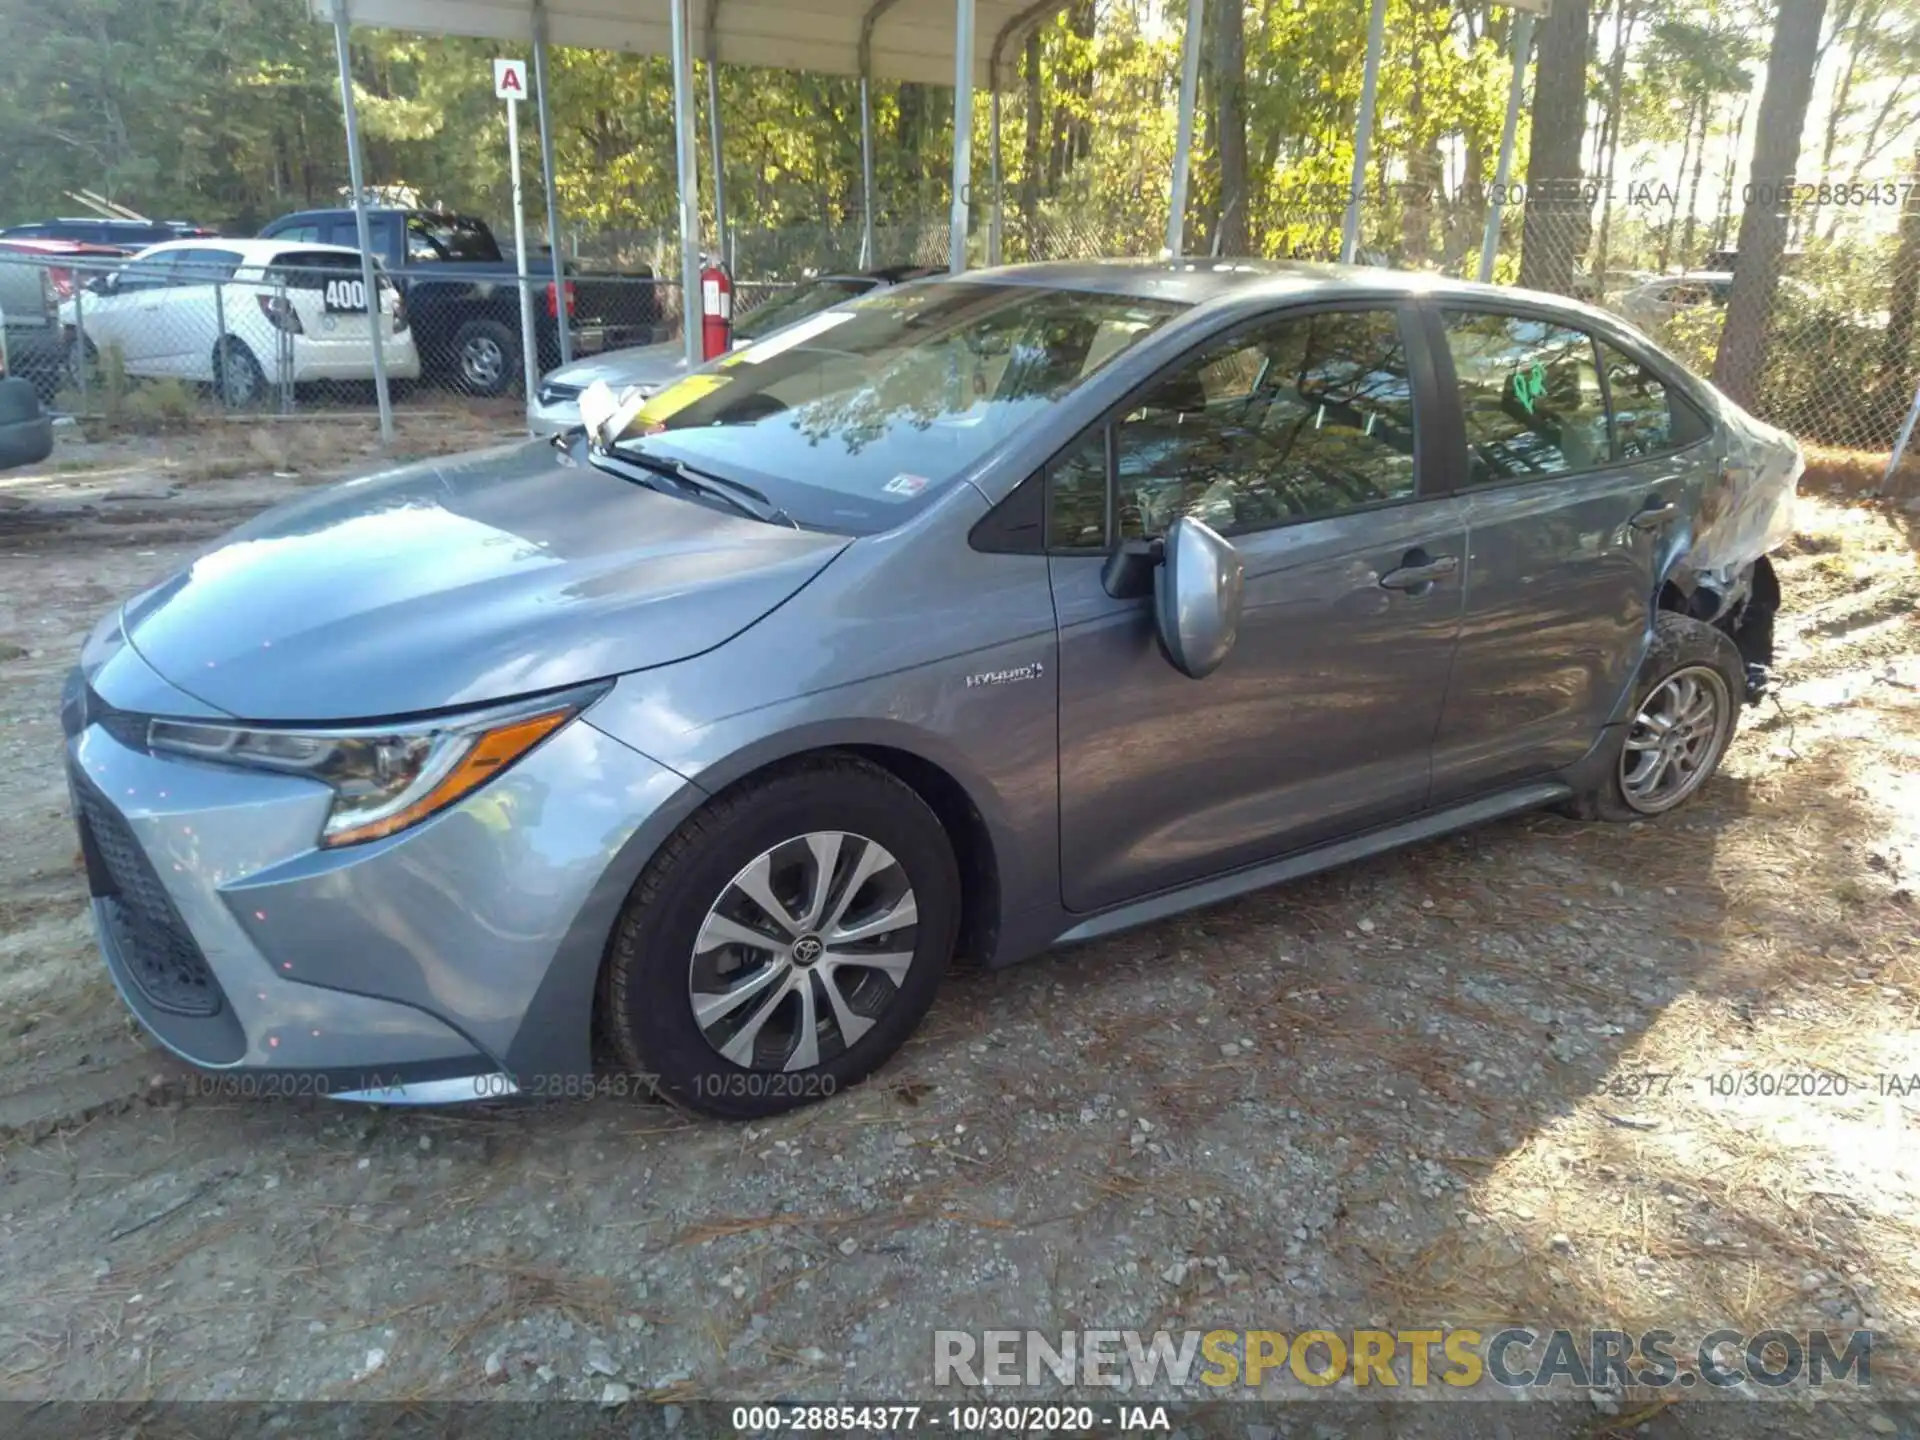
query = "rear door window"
x=432 y=238
x=1530 y=396
x=206 y=265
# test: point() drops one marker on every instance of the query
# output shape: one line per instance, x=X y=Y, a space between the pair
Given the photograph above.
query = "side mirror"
x=104 y=284
x=1197 y=594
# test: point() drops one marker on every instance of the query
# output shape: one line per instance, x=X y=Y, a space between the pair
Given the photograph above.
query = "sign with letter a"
x=510 y=79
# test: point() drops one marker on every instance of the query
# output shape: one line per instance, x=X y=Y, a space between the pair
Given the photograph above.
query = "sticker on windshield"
x=906 y=486
x=669 y=402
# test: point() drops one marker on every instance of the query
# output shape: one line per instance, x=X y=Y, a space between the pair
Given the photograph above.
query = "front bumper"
x=456 y=960
x=553 y=417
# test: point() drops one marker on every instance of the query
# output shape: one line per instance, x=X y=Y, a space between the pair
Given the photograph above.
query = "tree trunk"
x=1693 y=187
x=1724 y=220
x=1230 y=98
x=1673 y=213
x=1741 y=360
x=1553 y=231
x=1841 y=99
x=1903 y=303
x=1623 y=24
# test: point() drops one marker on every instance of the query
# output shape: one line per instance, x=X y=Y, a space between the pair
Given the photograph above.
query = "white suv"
x=242 y=315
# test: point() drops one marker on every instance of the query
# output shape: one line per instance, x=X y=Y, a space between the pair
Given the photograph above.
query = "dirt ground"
x=1536 y=1073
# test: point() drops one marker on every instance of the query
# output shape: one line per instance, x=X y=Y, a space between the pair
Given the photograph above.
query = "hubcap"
x=1674 y=740
x=803 y=951
x=483 y=361
x=238 y=377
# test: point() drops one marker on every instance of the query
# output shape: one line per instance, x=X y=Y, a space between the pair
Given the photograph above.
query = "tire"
x=486 y=358
x=25 y=442
x=237 y=377
x=672 y=941
x=1689 y=664
x=18 y=401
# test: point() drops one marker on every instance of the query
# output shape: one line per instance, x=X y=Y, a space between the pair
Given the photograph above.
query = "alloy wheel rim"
x=1675 y=737
x=804 y=951
x=238 y=378
x=483 y=361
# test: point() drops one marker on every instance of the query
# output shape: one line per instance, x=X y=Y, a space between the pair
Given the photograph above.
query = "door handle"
x=1655 y=513
x=1417 y=571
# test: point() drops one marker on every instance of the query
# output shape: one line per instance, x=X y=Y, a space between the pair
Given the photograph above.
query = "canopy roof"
x=910 y=39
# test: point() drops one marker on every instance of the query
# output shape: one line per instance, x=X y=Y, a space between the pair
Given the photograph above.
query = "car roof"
x=1198 y=281
x=251 y=252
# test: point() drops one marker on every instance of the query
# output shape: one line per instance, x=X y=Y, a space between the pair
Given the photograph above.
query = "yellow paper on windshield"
x=678 y=396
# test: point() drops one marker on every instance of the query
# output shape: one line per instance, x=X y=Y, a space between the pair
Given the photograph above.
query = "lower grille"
x=159 y=952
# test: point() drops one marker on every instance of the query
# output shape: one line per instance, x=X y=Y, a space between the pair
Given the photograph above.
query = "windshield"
x=847 y=419
x=791 y=305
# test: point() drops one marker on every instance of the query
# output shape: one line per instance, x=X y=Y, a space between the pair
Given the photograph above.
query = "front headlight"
x=388 y=777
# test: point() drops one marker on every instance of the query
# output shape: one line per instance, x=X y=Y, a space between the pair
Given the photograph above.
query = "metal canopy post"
x=689 y=180
x=1363 y=138
x=962 y=134
x=867 y=22
x=1183 y=138
x=362 y=231
x=866 y=174
x=1503 y=170
x=713 y=131
x=562 y=318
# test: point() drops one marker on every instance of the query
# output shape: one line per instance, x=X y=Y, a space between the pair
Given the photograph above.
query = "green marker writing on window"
x=1529 y=386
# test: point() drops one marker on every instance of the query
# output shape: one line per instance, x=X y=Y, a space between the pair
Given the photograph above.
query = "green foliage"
x=116 y=404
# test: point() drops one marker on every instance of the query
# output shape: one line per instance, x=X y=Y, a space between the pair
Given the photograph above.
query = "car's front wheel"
x=784 y=942
x=1686 y=703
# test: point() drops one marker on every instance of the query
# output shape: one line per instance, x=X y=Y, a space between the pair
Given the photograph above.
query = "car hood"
x=459 y=581
x=641 y=365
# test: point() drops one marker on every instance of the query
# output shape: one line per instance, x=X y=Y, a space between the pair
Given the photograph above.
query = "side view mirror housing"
x=103 y=284
x=1198 y=591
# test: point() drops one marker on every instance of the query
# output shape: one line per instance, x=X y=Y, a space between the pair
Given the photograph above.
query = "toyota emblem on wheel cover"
x=807 y=949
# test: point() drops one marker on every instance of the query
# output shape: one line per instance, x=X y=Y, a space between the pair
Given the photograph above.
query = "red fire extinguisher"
x=716 y=311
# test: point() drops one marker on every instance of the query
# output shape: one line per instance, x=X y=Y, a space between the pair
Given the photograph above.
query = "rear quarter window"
x=311 y=269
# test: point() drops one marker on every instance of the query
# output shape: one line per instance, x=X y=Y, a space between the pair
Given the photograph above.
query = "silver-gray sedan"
x=962 y=620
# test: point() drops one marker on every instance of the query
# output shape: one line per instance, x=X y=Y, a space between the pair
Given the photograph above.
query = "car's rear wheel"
x=784 y=942
x=487 y=356
x=237 y=377
x=1686 y=704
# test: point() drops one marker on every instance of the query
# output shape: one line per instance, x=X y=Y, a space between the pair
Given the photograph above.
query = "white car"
x=1658 y=301
x=241 y=315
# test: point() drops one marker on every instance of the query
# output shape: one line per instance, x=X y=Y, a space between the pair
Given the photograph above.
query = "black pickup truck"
x=462 y=300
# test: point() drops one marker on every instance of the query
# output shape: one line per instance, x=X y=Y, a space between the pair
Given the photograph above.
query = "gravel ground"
x=1420 y=1090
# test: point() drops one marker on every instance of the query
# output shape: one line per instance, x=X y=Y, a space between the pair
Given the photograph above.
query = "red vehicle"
x=90 y=258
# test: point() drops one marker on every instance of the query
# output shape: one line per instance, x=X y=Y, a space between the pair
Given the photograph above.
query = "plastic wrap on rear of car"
x=1748 y=509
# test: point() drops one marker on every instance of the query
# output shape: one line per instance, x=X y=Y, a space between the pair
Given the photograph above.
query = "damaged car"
x=963 y=620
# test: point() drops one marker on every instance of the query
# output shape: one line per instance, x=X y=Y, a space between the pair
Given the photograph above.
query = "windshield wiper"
x=742 y=497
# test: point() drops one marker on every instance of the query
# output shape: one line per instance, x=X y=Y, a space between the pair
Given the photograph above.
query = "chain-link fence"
x=222 y=324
